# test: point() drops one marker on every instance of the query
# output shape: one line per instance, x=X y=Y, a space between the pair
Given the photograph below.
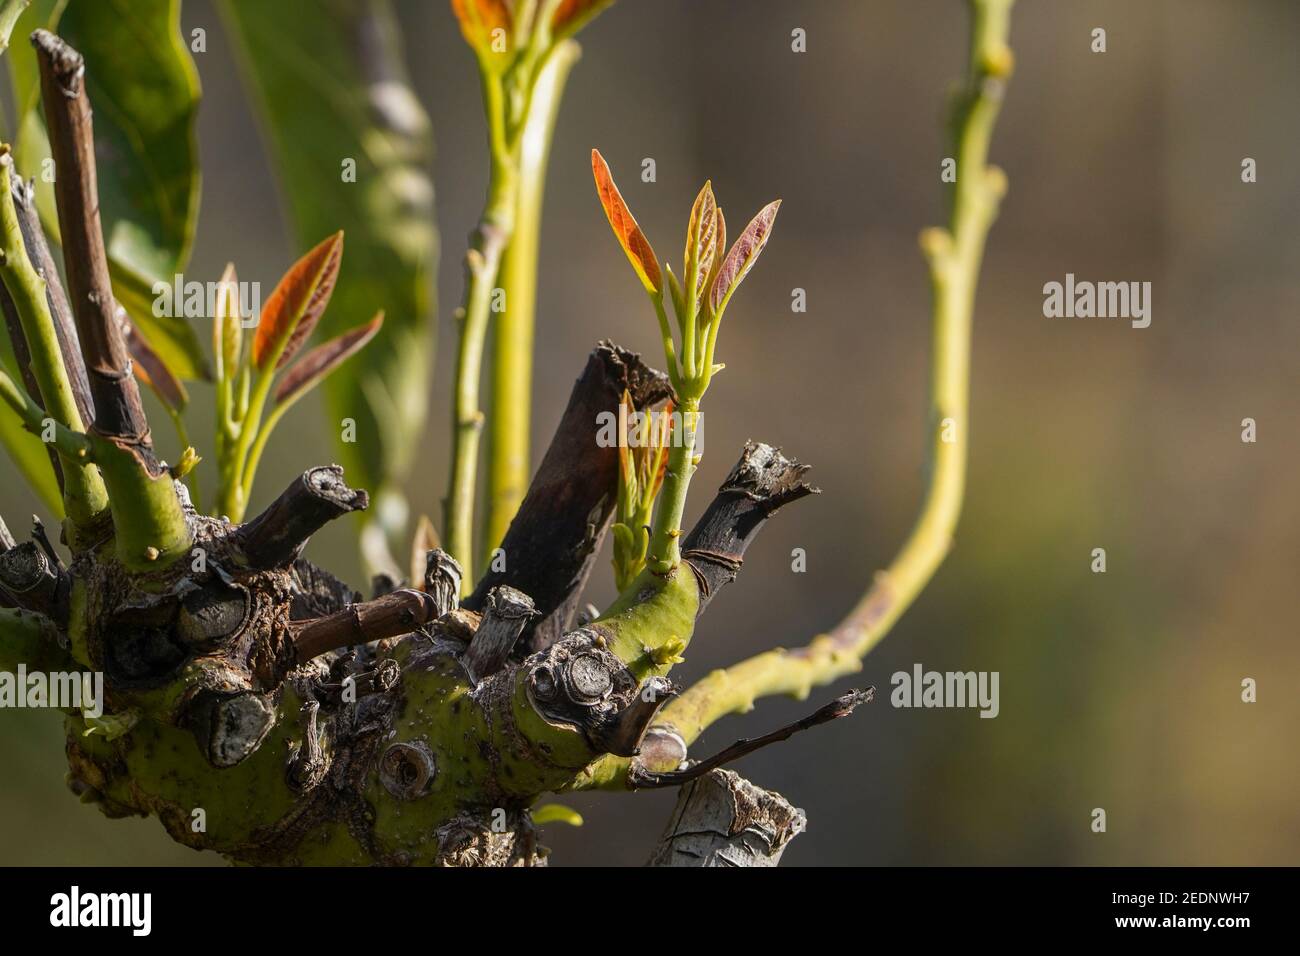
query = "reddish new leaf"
x=312 y=368
x=296 y=305
x=743 y=255
x=719 y=253
x=478 y=18
x=572 y=15
x=701 y=239
x=625 y=227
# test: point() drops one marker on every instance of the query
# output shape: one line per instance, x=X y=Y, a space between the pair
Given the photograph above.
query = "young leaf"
x=625 y=227
x=313 y=119
x=478 y=18
x=572 y=15
x=227 y=325
x=10 y=11
x=296 y=305
x=719 y=252
x=323 y=359
x=701 y=238
x=742 y=256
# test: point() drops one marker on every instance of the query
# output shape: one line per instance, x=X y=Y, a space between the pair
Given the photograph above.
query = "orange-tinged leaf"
x=572 y=15
x=478 y=18
x=150 y=368
x=625 y=227
x=296 y=305
x=312 y=368
x=743 y=255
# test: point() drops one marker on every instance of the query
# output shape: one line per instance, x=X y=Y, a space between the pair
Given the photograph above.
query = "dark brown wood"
x=316 y=592
x=762 y=482
x=114 y=392
x=29 y=579
x=552 y=543
x=389 y=616
x=275 y=538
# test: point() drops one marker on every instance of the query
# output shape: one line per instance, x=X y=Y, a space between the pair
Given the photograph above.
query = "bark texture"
x=721 y=819
x=551 y=545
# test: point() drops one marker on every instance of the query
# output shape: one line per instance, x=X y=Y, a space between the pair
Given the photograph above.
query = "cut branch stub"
x=276 y=537
x=578 y=682
x=27 y=577
x=407 y=769
x=551 y=545
x=505 y=614
x=442 y=579
x=722 y=819
x=762 y=481
x=400 y=612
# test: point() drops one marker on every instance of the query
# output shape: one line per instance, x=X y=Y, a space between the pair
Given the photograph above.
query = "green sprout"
x=642 y=462
x=699 y=299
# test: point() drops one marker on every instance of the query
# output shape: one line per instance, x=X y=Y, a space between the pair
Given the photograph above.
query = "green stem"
x=512 y=336
x=665 y=550
x=482 y=263
x=237 y=491
x=954 y=256
x=84 y=495
x=72 y=446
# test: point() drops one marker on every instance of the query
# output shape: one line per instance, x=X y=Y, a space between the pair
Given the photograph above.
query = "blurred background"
x=1118 y=690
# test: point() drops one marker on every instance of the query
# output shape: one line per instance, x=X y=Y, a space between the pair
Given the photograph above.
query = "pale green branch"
x=84 y=494
x=512 y=334
x=954 y=256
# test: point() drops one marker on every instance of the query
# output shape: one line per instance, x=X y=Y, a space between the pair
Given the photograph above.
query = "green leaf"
x=28 y=453
x=328 y=110
x=144 y=90
x=10 y=11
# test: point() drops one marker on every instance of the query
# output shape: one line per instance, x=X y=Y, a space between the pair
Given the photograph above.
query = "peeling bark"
x=722 y=819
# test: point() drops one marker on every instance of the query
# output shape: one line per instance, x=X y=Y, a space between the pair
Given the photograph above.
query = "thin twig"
x=843 y=705
x=642 y=779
